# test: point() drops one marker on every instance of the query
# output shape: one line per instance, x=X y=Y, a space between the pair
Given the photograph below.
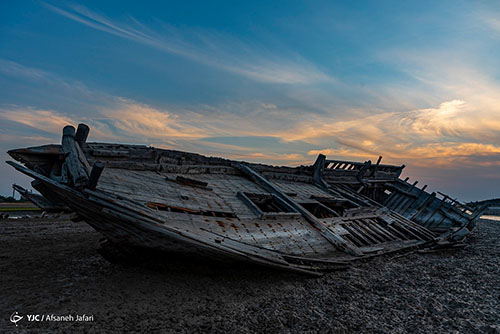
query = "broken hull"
x=437 y=214
x=125 y=223
x=187 y=203
x=434 y=211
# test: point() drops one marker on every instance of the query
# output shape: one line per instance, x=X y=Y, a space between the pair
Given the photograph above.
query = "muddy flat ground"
x=52 y=267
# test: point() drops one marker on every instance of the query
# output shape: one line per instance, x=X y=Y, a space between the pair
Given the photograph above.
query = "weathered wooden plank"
x=190 y=182
x=368 y=226
x=375 y=225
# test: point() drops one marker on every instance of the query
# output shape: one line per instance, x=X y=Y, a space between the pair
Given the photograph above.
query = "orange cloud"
x=454 y=132
x=45 y=120
x=451 y=119
x=276 y=158
x=143 y=121
x=342 y=153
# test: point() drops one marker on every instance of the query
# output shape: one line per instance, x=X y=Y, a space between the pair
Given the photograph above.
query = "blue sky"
x=276 y=82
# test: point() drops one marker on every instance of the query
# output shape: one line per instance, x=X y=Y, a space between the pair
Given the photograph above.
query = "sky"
x=264 y=81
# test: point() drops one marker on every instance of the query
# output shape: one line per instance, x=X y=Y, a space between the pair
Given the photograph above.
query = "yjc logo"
x=15 y=317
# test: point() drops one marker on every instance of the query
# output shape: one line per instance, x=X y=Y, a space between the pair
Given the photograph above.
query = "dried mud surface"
x=52 y=267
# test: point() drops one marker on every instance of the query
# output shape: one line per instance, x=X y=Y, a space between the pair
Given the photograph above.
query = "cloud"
x=129 y=121
x=339 y=153
x=491 y=20
x=276 y=158
x=465 y=130
x=452 y=133
x=450 y=136
x=443 y=136
x=45 y=120
x=208 y=48
x=461 y=126
x=427 y=103
x=451 y=119
x=12 y=68
x=143 y=121
x=24 y=139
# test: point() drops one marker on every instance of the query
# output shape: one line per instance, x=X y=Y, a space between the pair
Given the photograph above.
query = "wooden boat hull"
x=174 y=201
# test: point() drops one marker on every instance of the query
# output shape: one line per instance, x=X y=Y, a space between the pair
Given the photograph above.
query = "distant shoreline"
x=24 y=205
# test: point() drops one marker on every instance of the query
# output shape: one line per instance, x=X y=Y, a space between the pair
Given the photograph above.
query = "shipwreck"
x=306 y=219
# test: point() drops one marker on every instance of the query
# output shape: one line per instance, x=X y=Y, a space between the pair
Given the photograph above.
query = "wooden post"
x=81 y=134
x=362 y=171
x=400 y=170
x=76 y=162
x=374 y=170
x=95 y=174
x=318 y=168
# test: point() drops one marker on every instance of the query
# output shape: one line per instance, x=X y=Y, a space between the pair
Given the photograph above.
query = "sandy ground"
x=52 y=267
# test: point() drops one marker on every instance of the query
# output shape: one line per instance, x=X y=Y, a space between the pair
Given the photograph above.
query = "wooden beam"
x=318 y=169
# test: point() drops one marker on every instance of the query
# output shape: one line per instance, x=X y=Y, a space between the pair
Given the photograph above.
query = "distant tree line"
x=11 y=199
